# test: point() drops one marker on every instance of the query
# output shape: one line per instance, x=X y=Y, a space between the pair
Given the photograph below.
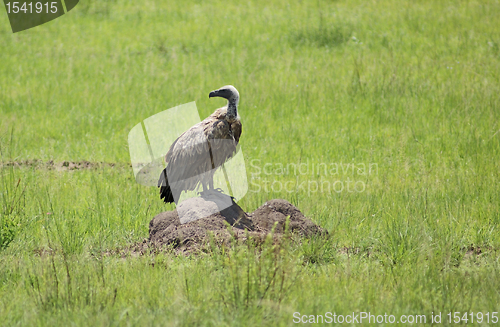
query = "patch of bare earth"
x=61 y=166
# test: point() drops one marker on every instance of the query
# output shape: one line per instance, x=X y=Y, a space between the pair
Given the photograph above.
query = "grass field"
x=410 y=88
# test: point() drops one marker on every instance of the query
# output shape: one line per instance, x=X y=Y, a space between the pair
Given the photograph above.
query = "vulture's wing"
x=223 y=141
x=188 y=156
x=236 y=128
x=199 y=150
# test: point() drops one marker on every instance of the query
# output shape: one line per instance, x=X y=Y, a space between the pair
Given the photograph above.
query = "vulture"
x=195 y=155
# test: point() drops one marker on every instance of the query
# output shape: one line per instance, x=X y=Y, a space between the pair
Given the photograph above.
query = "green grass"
x=410 y=87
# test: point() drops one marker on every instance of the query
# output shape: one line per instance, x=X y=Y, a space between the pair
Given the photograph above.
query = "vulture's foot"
x=222 y=192
x=214 y=193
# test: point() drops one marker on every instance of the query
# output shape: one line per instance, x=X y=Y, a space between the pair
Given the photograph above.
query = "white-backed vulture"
x=195 y=155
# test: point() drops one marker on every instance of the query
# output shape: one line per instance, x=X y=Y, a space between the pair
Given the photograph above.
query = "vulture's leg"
x=213 y=189
x=204 y=190
x=211 y=178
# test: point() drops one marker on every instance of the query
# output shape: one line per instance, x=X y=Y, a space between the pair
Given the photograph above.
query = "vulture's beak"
x=213 y=94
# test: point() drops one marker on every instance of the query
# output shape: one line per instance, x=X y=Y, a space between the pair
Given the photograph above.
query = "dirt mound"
x=166 y=228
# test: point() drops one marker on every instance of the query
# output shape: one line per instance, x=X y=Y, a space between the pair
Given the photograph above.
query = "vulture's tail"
x=165 y=191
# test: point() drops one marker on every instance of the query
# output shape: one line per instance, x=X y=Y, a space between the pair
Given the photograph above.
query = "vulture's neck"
x=232 y=109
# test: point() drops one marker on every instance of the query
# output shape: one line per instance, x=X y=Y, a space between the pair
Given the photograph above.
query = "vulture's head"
x=228 y=92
